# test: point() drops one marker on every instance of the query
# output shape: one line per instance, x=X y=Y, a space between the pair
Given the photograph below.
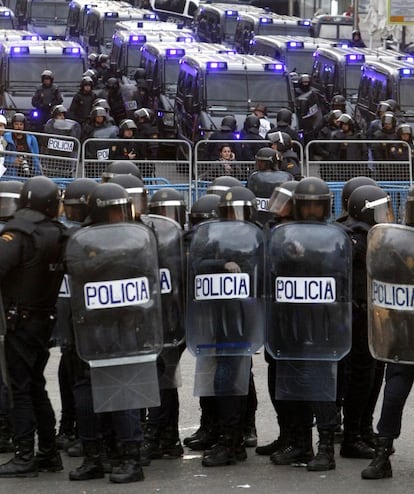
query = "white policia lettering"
x=320 y=289
x=391 y=296
x=116 y=293
x=221 y=286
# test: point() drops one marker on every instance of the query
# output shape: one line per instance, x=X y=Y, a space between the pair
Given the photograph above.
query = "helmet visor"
x=382 y=209
x=281 y=202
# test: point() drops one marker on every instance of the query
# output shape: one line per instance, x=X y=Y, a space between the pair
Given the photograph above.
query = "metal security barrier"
x=173 y=171
x=207 y=169
x=57 y=156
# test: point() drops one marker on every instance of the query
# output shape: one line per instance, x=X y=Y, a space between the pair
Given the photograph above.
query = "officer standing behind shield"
x=397 y=336
x=31 y=251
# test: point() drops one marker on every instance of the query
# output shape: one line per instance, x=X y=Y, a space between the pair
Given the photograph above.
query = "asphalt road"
x=256 y=475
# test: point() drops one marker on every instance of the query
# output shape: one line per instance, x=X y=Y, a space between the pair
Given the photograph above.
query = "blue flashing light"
x=355 y=58
x=295 y=45
x=19 y=50
x=185 y=39
x=227 y=52
x=406 y=72
x=266 y=20
x=34 y=114
x=304 y=22
x=111 y=14
x=74 y=50
x=30 y=37
x=406 y=58
x=216 y=65
x=231 y=13
x=175 y=52
x=150 y=17
x=274 y=67
x=136 y=39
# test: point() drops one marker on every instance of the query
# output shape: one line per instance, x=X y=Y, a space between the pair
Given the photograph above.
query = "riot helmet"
x=371 y=205
x=284 y=117
x=304 y=82
x=120 y=167
x=388 y=122
x=47 y=74
x=86 y=81
x=267 y=158
x=333 y=117
x=112 y=83
x=409 y=209
x=144 y=115
x=251 y=122
x=169 y=203
x=103 y=59
x=281 y=140
x=98 y=111
x=101 y=103
x=338 y=103
x=405 y=128
x=126 y=124
x=392 y=104
x=109 y=203
x=281 y=200
x=350 y=186
x=18 y=117
x=10 y=191
x=238 y=203
x=136 y=191
x=92 y=59
x=41 y=194
x=229 y=123
x=312 y=200
x=222 y=184
x=92 y=74
x=75 y=199
x=382 y=107
x=58 y=110
x=347 y=120
x=205 y=208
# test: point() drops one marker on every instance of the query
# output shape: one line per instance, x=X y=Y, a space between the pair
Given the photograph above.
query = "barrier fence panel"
x=27 y=154
x=170 y=171
x=208 y=165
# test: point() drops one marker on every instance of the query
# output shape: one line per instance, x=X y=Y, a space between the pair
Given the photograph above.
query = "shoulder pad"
x=25 y=220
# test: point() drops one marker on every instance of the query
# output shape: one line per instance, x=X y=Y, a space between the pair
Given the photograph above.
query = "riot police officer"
x=349 y=187
x=170 y=203
x=128 y=149
x=120 y=167
x=282 y=142
x=47 y=96
x=148 y=130
x=222 y=184
x=266 y=177
x=81 y=105
x=31 y=253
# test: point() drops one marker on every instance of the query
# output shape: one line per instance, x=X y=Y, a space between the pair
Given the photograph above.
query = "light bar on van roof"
x=231 y=13
x=216 y=65
x=304 y=22
x=294 y=45
x=184 y=39
x=354 y=58
x=5 y=13
x=175 y=52
x=136 y=39
x=407 y=58
x=71 y=50
x=19 y=50
x=266 y=20
x=274 y=67
x=150 y=17
x=406 y=72
x=111 y=14
x=31 y=37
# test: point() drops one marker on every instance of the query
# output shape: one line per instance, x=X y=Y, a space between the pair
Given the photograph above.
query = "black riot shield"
x=3 y=361
x=310 y=307
x=225 y=303
x=169 y=236
x=116 y=305
x=390 y=269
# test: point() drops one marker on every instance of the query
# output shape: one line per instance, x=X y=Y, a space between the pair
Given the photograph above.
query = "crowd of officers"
x=32 y=253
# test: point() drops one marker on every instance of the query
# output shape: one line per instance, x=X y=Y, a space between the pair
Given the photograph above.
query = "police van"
x=250 y=24
x=172 y=10
x=160 y=62
x=334 y=27
x=212 y=85
x=47 y=18
x=22 y=62
x=382 y=80
x=101 y=20
x=217 y=22
x=17 y=35
x=126 y=51
x=76 y=21
x=7 y=20
x=19 y=7
x=296 y=52
x=337 y=70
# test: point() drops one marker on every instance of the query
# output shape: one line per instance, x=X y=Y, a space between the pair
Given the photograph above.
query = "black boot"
x=354 y=447
x=49 y=460
x=223 y=452
x=130 y=469
x=205 y=439
x=151 y=447
x=6 y=445
x=91 y=467
x=170 y=443
x=23 y=464
x=278 y=444
x=380 y=466
x=325 y=457
x=75 y=449
x=298 y=450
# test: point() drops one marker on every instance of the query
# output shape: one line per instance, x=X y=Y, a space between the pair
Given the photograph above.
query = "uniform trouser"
x=359 y=369
x=27 y=355
x=4 y=399
x=126 y=424
x=399 y=380
x=290 y=414
x=66 y=382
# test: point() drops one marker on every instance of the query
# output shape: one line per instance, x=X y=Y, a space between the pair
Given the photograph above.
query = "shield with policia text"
x=310 y=303
x=225 y=304
x=390 y=269
x=115 y=288
x=169 y=236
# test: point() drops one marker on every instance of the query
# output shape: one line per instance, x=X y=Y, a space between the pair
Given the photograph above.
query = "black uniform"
x=44 y=99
